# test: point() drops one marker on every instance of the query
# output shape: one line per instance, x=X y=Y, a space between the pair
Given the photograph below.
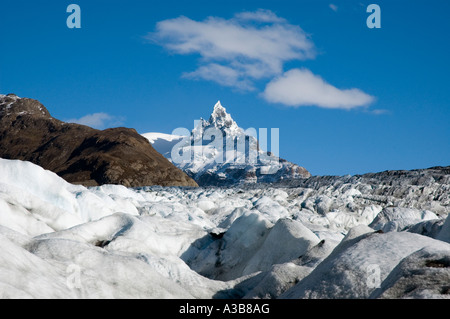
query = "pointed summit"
x=218 y=108
x=218 y=105
x=220 y=118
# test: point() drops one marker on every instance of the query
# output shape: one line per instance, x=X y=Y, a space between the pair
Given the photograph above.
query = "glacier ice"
x=319 y=239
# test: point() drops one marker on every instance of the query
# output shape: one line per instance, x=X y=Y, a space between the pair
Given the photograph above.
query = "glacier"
x=374 y=236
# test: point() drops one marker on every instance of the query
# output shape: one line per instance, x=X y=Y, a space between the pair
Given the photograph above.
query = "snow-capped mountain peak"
x=221 y=119
x=219 y=152
x=220 y=116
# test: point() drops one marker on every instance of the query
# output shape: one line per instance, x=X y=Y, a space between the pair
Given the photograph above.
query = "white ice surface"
x=59 y=240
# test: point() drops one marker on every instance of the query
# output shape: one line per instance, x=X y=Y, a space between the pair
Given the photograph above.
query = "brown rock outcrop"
x=81 y=154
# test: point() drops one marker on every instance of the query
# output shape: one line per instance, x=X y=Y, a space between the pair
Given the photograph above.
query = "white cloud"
x=380 y=111
x=300 y=87
x=333 y=7
x=248 y=47
x=98 y=120
x=223 y=75
x=260 y=15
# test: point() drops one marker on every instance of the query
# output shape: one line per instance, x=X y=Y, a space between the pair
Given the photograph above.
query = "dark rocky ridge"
x=388 y=179
x=81 y=154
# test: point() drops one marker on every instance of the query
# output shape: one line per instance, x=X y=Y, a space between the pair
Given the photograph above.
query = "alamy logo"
x=373 y=279
x=73 y=280
x=248 y=147
x=374 y=20
x=74 y=19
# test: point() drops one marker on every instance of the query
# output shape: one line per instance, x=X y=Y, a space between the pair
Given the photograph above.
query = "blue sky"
x=347 y=99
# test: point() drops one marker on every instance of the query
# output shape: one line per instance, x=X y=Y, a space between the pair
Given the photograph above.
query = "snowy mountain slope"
x=59 y=240
x=163 y=143
x=218 y=152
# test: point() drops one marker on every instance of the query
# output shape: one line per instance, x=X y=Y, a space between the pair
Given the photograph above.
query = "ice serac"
x=81 y=154
x=222 y=153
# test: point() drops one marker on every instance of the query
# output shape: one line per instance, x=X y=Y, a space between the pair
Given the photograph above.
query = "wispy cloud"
x=98 y=120
x=223 y=75
x=300 y=87
x=333 y=7
x=245 y=48
x=379 y=111
x=261 y=15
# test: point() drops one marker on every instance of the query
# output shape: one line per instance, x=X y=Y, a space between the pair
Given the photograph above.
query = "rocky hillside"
x=81 y=154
